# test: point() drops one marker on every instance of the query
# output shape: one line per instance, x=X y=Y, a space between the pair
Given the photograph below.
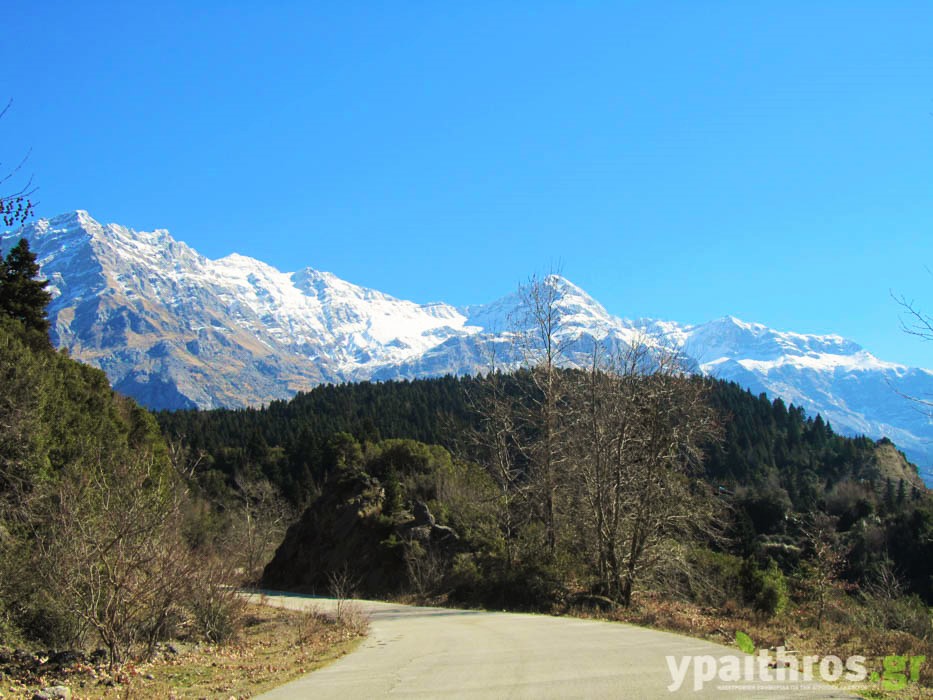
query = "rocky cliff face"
x=341 y=529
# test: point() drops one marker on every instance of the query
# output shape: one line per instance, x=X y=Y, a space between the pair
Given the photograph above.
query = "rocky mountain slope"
x=176 y=330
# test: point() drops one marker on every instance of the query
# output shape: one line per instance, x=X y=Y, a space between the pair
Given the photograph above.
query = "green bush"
x=524 y=586
x=465 y=575
x=764 y=590
x=714 y=577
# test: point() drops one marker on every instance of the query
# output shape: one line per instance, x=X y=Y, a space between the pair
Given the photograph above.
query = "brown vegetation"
x=274 y=646
x=849 y=627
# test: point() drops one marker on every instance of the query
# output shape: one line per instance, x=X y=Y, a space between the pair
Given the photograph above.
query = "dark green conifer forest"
x=774 y=470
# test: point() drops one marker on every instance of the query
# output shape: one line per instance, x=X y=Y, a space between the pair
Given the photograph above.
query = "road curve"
x=414 y=652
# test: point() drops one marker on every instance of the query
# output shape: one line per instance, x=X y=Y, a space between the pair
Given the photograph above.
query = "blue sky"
x=678 y=160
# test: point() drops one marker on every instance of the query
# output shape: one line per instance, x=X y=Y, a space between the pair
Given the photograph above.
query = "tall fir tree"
x=22 y=295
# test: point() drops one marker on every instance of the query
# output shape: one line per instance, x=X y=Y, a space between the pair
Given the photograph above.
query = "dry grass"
x=274 y=647
x=841 y=635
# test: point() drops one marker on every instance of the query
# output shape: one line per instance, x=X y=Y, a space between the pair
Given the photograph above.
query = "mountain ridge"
x=175 y=329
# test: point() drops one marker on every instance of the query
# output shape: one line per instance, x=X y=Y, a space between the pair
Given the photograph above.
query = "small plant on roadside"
x=353 y=619
x=308 y=625
x=343 y=585
x=216 y=607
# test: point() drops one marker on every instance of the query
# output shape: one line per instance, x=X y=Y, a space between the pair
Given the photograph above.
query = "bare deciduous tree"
x=498 y=445
x=425 y=565
x=639 y=424
x=614 y=443
x=915 y=321
x=259 y=523
x=343 y=584
x=537 y=326
x=823 y=568
x=112 y=553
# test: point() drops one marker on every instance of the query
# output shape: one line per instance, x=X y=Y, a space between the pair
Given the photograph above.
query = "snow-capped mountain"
x=175 y=329
x=857 y=392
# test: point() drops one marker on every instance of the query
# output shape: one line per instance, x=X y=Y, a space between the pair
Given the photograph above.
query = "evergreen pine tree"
x=22 y=295
x=888 y=495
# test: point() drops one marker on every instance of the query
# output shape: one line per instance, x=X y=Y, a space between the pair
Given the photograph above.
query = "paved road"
x=414 y=652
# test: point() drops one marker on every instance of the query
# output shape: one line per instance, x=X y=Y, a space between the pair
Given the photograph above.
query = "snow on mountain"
x=176 y=329
x=725 y=337
x=145 y=307
x=854 y=390
x=368 y=329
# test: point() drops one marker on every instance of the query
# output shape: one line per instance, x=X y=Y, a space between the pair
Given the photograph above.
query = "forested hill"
x=767 y=447
x=101 y=544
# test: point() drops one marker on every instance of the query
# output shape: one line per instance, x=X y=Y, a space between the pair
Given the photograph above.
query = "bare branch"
x=917 y=323
x=18 y=206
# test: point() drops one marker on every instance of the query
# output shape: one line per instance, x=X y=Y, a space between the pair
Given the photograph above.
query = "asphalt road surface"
x=414 y=652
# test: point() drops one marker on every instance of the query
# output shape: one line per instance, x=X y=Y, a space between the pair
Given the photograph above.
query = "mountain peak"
x=79 y=218
x=74 y=216
x=83 y=216
x=51 y=237
x=576 y=305
x=76 y=219
x=739 y=323
x=236 y=331
x=564 y=285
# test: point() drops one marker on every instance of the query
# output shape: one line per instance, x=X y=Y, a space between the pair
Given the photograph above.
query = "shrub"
x=109 y=554
x=216 y=607
x=309 y=624
x=765 y=590
x=903 y=614
x=351 y=616
x=524 y=586
x=712 y=577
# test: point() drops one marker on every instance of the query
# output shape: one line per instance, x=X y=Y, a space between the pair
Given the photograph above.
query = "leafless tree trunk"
x=499 y=446
x=639 y=423
x=537 y=324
